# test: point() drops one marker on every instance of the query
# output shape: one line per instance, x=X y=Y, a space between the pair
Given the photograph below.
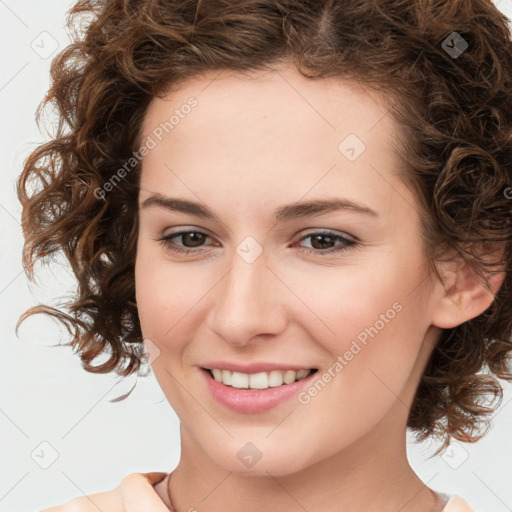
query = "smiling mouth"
x=260 y=380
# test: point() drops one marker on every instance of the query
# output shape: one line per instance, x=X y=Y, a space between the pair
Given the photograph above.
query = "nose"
x=248 y=303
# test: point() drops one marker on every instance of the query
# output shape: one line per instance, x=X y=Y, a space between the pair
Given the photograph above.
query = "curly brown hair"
x=446 y=69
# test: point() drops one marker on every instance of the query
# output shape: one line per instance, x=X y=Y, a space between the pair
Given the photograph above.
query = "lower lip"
x=253 y=400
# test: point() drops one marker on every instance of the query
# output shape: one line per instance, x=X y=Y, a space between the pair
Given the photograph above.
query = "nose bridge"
x=246 y=303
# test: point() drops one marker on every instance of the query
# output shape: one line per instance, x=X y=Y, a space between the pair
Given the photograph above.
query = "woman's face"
x=271 y=281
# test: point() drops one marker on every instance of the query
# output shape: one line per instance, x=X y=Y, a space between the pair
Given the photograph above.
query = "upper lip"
x=255 y=367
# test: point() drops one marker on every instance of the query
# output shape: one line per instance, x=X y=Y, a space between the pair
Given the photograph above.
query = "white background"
x=45 y=395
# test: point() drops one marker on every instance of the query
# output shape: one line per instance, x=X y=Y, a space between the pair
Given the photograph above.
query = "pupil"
x=194 y=235
x=319 y=237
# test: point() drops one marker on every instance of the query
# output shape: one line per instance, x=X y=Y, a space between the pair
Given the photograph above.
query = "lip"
x=253 y=401
x=255 y=367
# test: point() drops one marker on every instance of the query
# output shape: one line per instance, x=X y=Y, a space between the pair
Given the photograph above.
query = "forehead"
x=268 y=130
x=276 y=98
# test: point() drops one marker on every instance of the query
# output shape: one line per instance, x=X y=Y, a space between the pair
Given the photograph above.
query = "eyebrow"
x=286 y=212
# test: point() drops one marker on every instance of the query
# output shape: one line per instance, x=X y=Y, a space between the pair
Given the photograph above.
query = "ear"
x=463 y=296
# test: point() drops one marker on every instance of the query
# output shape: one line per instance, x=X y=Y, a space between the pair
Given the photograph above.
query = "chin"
x=250 y=461
x=276 y=468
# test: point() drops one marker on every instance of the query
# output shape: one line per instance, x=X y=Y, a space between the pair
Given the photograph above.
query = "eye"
x=322 y=238
x=193 y=240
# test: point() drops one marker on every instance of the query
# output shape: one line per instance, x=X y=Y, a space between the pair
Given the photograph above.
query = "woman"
x=301 y=210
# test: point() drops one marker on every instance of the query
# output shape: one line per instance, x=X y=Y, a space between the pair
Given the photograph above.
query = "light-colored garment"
x=136 y=493
x=454 y=503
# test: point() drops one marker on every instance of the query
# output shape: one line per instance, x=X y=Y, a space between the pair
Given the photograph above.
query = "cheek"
x=154 y=294
x=373 y=317
x=165 y=299
x=169 y=298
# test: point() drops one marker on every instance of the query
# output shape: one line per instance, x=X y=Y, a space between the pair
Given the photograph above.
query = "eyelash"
x=347 y=243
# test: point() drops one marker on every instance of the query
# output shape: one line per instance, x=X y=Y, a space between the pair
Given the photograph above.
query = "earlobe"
x=463 y=296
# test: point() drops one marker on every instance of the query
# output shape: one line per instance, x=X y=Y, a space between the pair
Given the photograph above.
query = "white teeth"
x=258 y=380
x=275 y=378
x=226 y=377
x=239 y=380
x=261 y=380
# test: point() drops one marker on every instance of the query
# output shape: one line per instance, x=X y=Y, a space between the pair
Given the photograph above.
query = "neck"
x=369 y=475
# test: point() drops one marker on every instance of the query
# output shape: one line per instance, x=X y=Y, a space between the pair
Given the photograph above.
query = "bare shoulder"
x=135 y=490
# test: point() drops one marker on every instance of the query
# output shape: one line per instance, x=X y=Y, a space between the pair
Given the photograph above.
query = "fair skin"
x=252 y=145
